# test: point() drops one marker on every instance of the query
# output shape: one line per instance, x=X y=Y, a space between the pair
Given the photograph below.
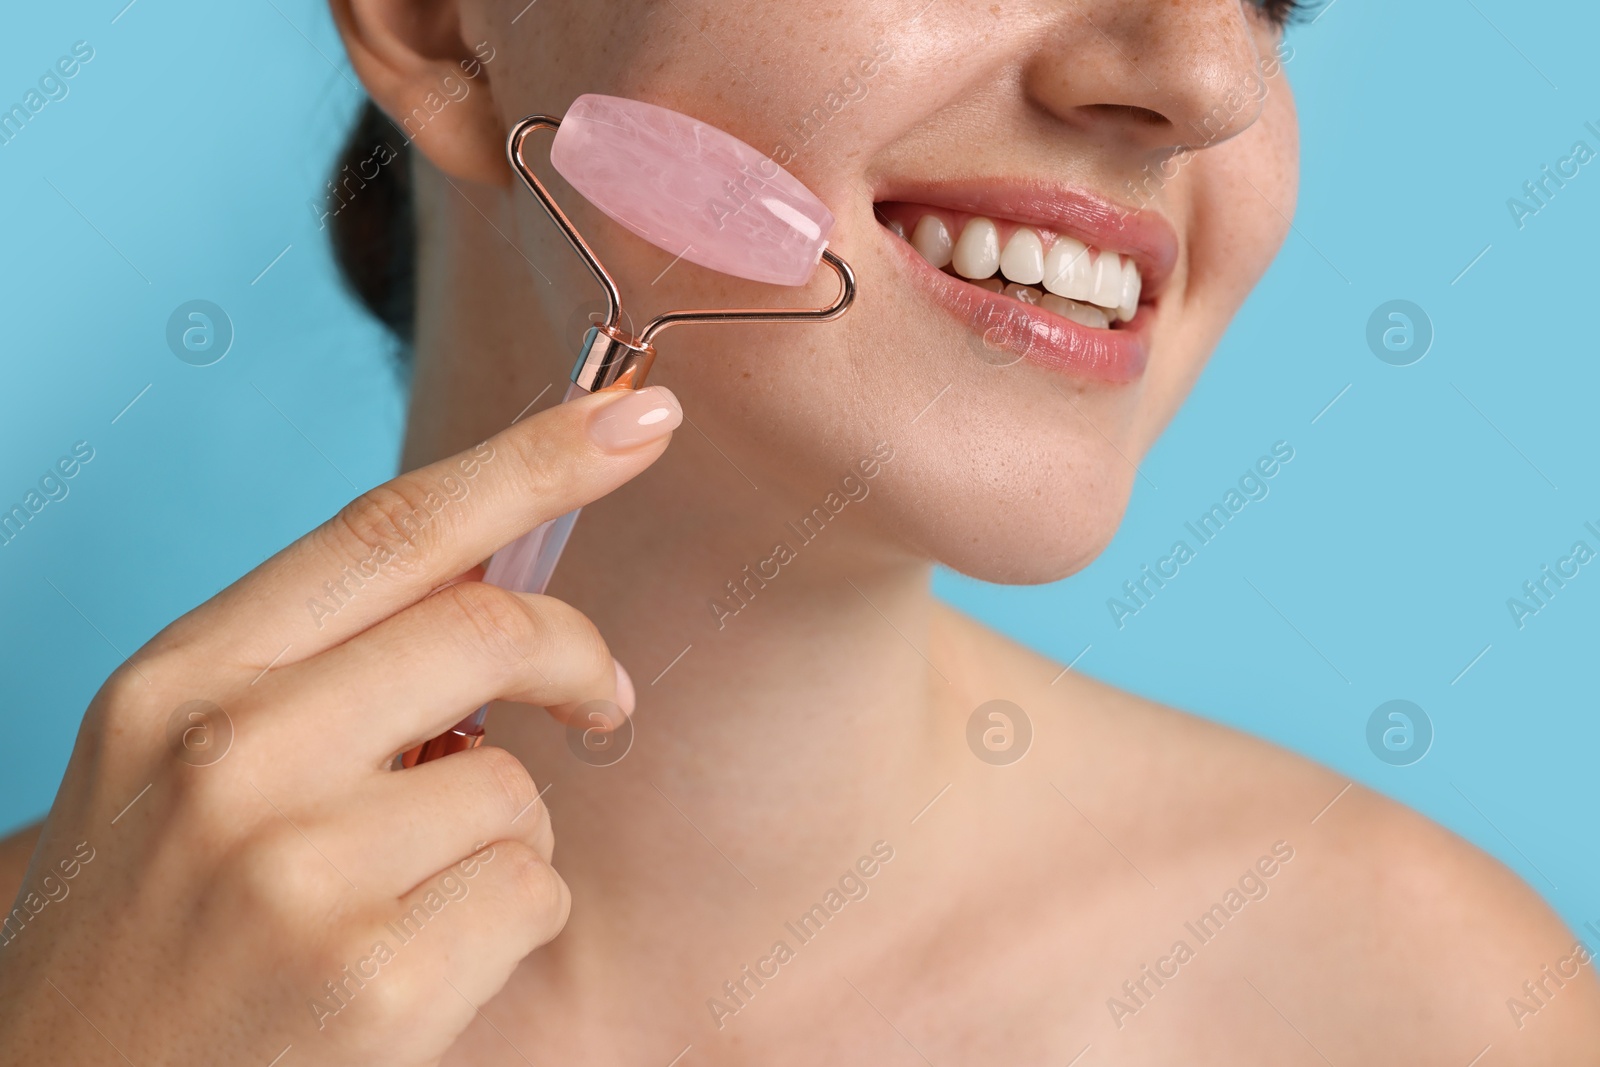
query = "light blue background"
x=181 y=165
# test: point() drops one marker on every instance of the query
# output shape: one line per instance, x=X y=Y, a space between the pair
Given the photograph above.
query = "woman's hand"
x=231 y=866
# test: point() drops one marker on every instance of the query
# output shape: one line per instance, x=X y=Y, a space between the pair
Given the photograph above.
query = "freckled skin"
x=986 y=946
x=1015 y=475
x=1042 y=93
x=829 y=708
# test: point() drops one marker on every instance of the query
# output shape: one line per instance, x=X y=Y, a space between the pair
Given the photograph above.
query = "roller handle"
x=524 y=566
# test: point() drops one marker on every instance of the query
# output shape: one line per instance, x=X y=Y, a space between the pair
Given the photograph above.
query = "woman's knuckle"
x=541 y=835
x=581 y=643
x=385 y=525
x=207 y=802
x=534 y=880
x=393 y=996
x=552 y=904
x=276 y=876
x=496 y=621
x=540 y=463
x=508 y=779
x=128 y=692
x=324 y=958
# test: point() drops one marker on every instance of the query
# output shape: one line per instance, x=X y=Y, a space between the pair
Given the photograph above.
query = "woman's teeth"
x=932 y=239
x=1091 y=287
x=1022 y=259
x=977 y=253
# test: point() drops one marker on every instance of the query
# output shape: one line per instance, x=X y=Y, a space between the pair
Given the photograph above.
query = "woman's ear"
x=431 y=82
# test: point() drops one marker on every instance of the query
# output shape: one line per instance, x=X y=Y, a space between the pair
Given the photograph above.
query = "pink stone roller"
x=695 y=192
x=692 y=190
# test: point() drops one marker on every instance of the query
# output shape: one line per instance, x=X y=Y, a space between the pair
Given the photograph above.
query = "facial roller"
x=693 y=191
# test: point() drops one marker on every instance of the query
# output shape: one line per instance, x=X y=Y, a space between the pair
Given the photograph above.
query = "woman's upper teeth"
x=1092 y=287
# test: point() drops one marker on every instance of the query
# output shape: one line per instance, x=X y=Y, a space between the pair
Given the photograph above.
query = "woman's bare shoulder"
x=1386 y=933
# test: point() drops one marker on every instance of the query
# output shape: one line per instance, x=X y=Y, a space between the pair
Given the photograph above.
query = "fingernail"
x=626 y=698
x=637 y=418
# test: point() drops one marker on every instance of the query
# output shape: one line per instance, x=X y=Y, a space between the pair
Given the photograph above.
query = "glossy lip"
x=1006 y=324
x=1027 y=331
x=1099 y=223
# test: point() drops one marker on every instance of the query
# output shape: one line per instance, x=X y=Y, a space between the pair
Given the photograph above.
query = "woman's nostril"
x=1129 y=112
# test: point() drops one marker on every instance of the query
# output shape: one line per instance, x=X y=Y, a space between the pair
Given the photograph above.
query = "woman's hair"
x=373 y=232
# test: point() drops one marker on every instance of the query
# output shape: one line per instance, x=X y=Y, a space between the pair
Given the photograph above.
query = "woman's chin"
x=1026 y=567
x=1016 y=545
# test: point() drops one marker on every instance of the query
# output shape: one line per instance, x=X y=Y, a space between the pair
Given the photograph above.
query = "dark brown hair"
x=374 y=233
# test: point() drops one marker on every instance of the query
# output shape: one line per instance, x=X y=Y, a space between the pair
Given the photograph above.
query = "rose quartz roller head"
x=695 y=192
x=692 y=190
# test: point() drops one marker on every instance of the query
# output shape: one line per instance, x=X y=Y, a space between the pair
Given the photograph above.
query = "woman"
x=819 y=846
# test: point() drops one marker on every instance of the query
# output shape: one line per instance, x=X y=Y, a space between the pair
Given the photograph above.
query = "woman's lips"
x=1009 y=330
x=1143 y=234
x=1077 y=320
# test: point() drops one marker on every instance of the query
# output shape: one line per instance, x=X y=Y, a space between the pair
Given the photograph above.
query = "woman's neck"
x=790 y=670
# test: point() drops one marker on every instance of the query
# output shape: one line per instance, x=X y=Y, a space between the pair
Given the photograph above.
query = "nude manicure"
x=627 y=699
x=637 y=418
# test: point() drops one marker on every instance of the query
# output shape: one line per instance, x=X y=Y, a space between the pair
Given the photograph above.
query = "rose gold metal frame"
x=610 y=354
x=613 y=359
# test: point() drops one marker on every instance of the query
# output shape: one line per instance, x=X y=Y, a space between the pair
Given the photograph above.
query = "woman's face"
x=1015 y=430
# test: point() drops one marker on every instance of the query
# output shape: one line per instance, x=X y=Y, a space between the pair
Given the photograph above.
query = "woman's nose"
x=1156 y=74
